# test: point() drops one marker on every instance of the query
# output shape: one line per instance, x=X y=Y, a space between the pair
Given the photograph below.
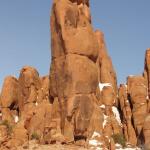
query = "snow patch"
x=119 y=147
x=108 y=138
x=95 y=143
x=36 y=104
x=128 y=149
x=96 y=134
x=105 y=120
x=102 y=106
x=16 y=118
x=127 y=101
x=96 y=148
x=117 y=115
x=102 y=85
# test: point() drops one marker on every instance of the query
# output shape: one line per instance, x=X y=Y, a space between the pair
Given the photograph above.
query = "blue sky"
x=25 y=34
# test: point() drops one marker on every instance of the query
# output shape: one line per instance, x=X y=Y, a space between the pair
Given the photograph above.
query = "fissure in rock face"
x=79 y=102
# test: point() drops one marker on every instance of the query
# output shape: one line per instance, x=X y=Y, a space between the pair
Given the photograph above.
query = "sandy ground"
x=34 y=146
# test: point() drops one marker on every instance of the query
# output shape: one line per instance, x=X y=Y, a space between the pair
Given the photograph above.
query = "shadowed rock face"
x=79 y=101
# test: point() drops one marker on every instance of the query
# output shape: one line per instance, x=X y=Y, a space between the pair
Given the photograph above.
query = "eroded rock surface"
x=78 y=104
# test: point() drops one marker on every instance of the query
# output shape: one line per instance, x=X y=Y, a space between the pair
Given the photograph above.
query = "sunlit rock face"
x=79 y=102
x=125 y=108
x=135 y=106
x=79 y=63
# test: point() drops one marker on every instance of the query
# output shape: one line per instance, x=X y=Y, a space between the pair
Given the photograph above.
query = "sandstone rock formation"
x=125 y=108
x=79 y=64
x=78 y=103
x=134 y=105
x=25 y=108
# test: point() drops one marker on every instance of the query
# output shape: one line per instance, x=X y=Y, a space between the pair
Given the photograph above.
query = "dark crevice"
x=80 y=137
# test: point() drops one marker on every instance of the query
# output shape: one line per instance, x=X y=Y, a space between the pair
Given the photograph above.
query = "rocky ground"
x=32 y=145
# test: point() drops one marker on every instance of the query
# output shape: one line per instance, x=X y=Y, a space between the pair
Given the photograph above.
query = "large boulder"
x=137 y=94
x=9 y=99
x=29 y=84
x=9 y=93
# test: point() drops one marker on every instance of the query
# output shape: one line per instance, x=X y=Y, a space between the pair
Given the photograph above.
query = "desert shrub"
x=8 y=126
x=35 y=136
x=120 y=139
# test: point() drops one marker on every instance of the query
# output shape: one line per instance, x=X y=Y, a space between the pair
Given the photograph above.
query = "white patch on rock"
x=95 y=143
x=36 y=104
x=119 y=147
x=128 y=149
x=16 y=118
x=127 y=101
x=105 y=120
x=96 y=148
x=102 y=106
x=96 y=134
x=108 y=138
x=102 y=85
x=116 y=114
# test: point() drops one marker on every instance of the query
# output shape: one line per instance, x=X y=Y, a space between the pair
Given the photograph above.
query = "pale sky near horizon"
x=25 y=34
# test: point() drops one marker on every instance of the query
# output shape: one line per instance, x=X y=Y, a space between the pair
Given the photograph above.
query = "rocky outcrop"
x=134 y=105
x=147 y=69
x=73 y=73
x=79 y=102
x=25 y=108
x=126 y=113
x=106 y=70
x=9 y=99
x=80 y=64
x=137 y=91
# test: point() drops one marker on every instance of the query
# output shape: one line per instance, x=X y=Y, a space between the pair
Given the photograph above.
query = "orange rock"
x=146 y=131
x=9 y=93
x=125 y=106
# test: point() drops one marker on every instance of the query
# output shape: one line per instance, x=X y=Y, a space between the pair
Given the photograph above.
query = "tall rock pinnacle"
x=78 y=104
x=80 y=65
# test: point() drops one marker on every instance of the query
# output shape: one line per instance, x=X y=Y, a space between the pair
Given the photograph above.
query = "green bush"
x=8 y=126
x=120 y=139
x=35 y=136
